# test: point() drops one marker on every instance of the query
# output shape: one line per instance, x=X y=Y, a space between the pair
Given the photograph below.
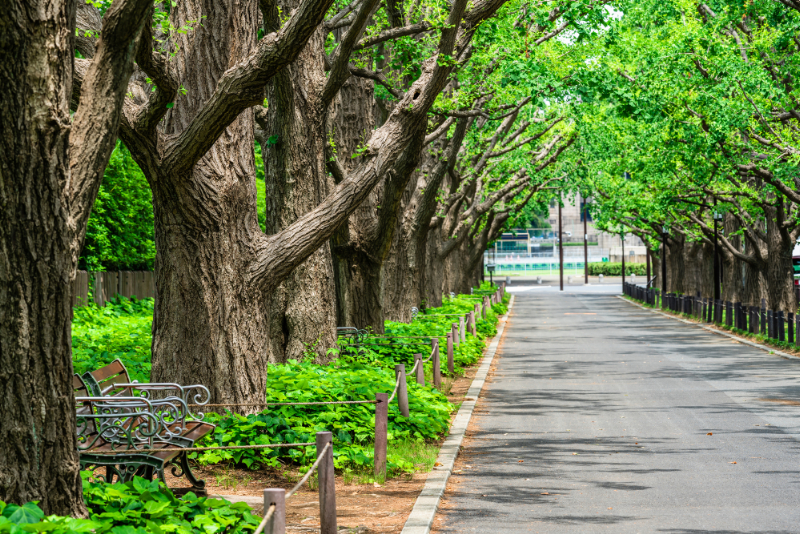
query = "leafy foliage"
x=122 y=330
x=136 y=507
x=120 y=234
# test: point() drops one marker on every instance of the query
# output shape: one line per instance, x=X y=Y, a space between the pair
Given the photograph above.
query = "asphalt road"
x=629 y=422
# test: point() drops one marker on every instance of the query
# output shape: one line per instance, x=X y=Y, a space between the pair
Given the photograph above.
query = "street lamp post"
x=664 y=231
x=623 y=256
x=585 y=246
x=717 y=218
x=560 y=248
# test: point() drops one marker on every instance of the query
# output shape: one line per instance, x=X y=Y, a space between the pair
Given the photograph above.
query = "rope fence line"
x=195 y=449
x=284 y=403
x=267 y=518
x=310 y=471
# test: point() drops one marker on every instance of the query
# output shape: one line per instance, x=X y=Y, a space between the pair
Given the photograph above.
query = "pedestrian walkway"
x=604 y=417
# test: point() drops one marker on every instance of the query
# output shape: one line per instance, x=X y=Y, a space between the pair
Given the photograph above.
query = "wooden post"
x=797 y=329
x=381 y=429
x=450 y=367
x=327 y=485
x=402 y=388
x=462 y=327
x=483 y=308
x=437 y=365
x=472 y=329
x=277 y=497
x=770 y=329
x=780 y=329
x=790 y=327
x=420 y=369
x=455 y=333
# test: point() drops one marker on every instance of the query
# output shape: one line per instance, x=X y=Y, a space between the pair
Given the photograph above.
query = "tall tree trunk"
x=358 y=266
x=38 y=456
x=675 y=264
x=779 y=271
x=303 y=307
x=210 y=325
x=732 y=278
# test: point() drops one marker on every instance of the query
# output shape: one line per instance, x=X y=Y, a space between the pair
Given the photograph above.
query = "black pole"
x=716 y=259
x=647 y=261
x=560 y=248
x=663 y=262
x=623 y=256
x=585 y=247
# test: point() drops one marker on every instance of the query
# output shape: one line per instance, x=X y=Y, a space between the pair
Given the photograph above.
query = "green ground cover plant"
x=136 y=507
x=122 y=330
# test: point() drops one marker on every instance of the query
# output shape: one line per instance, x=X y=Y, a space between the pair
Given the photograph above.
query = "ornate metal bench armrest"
x=126 y=423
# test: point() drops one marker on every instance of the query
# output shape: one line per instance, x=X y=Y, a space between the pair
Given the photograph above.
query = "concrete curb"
x=424 y=511
x=765 y=348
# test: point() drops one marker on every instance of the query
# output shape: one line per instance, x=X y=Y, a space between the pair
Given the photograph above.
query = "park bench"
x=135 y=429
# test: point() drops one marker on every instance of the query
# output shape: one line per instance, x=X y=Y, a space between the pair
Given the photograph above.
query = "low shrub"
x=121 y=329
x=615 y=269
x=136 y=507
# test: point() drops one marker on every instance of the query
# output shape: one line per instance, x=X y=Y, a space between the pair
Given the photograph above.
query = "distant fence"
x=773 y=324
x=107 y=285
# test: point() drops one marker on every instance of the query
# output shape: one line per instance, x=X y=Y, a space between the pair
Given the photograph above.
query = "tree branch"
x=102 y=92
x=393 y=33
x=242 y=86
x=340 y=61
x=378 y=77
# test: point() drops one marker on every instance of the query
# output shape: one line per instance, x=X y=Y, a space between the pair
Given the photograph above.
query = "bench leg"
x=198 y=486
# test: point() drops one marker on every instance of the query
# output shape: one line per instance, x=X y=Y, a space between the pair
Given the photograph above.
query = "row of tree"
x=690 y=118
x=397 y=140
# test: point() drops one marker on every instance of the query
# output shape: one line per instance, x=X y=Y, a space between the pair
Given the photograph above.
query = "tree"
x=51 y=166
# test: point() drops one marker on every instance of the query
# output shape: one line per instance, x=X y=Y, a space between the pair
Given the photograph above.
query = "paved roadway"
x=609 y=407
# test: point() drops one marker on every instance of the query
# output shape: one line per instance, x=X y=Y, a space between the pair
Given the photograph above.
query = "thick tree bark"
x=210 y=325
x=779 y=272
x=50 y=170
x=38 y=458
x=675 y=264
x=303 y=307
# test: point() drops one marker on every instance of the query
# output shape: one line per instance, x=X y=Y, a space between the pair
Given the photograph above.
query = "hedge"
x=615 y=269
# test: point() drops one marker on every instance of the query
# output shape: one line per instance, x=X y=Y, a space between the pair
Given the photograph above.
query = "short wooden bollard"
x=472 y=327
x=770 y=328
x=327 y=485
x=437 y=365
x=454 y=331
x=277 y=497
x=780 y=329
x=797 y=329
x=450 y=367
x=462 y=327
x=402 y=388
x=790 y=327
x=420 y=369
x=381 y=429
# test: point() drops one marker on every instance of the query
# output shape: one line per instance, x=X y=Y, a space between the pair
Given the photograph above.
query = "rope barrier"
x=285 y=403
x=396 y=387
x=267 y=517
x=193 y=449
x=310 y=470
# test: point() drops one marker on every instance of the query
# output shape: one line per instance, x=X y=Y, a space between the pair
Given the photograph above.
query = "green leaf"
x=25 y=514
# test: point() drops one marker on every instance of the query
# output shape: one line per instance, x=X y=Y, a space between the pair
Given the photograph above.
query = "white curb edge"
x=427 y=504
x=765 y=348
